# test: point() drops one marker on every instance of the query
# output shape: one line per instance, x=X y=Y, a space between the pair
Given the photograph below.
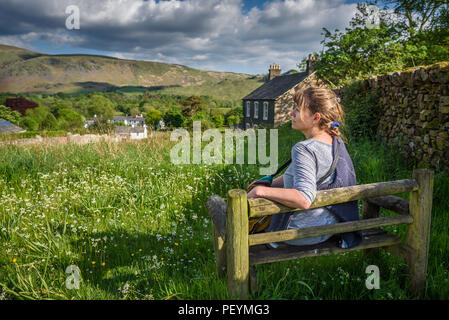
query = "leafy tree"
x=218 y=120
x=70 y=119
x=58 y=104
x=404 y=38
x=102 y=126
x=415 y=16
x=192 y=105
x=134 y=111
x=173 y=118
x=29 y=123
x=9 y=115
x=49 y=122
x=101 y=106
x=236 y=114
x=40 y=117
x=152 y=117
x=231 y=120
x=37 y=114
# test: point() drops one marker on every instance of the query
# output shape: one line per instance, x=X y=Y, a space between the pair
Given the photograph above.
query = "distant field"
x=226 y=90
x=25 y=71
x=136 y=227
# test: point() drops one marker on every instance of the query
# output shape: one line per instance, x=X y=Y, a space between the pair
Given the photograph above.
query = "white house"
x=88 y=123
x=134 y=133
x=130 y=121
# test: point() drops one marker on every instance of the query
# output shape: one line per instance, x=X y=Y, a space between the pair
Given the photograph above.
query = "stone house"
x=271 y=103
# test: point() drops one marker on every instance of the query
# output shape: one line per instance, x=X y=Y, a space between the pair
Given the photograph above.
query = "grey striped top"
x=311 y=160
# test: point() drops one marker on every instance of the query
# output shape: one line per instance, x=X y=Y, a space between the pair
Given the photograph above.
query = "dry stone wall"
x=70 y=138
x=414 y=114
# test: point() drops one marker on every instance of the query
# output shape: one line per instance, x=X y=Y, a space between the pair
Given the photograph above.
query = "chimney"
x=274 y=71
x=310 y=62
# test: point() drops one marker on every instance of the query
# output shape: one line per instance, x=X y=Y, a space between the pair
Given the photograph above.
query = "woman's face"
x=302 y=120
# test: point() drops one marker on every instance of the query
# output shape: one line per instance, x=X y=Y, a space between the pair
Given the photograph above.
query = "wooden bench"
x=236 y=251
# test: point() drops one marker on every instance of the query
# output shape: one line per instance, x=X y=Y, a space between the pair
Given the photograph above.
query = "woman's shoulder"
x=312 y=148
x=312 y=144
x=303 y=147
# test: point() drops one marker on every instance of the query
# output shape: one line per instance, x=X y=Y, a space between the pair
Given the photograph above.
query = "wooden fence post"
x=370 y=211
x=220 y=252
x=217 y=210
x=237 y=246
x=418 y=233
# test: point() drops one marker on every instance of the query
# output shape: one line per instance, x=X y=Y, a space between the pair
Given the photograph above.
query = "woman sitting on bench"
x=319 y=162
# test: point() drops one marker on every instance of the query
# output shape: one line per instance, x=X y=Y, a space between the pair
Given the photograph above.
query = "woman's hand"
x=256 y=192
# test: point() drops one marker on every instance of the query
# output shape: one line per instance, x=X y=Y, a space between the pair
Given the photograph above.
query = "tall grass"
x=136 y=226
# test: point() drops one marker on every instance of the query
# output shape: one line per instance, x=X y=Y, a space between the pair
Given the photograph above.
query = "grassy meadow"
x=136 y=226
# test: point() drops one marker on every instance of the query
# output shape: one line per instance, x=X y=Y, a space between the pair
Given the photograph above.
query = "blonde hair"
x=323 y=100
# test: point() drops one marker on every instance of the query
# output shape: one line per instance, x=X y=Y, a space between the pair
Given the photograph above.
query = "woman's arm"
x=288 y=197
x=278 y=182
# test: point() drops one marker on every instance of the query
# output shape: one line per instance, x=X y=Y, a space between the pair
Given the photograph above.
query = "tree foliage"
x=9 y=115
x=413 y=33
x=192 y=105
x=174 y=118
x=70 y=119
x=101 y=106
x=152 y=117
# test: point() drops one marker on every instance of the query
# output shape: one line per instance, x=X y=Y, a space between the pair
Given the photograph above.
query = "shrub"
x=9 y=115
x=218 y=121
x=174 y=118
x=362 y=112
x=29 y=123
x=70 y=119
x=152 y=117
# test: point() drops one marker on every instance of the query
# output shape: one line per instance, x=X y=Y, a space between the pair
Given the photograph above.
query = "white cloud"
x=191 y=32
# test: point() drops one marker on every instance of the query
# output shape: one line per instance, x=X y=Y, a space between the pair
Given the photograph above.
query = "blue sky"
x=222 y=35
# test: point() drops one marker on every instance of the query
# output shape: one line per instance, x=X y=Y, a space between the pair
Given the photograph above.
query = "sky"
x=243 y=36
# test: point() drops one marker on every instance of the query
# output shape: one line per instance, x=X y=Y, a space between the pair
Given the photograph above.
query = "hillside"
x=26 y=71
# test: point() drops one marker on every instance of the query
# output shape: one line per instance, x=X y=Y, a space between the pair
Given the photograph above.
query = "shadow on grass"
x=163 y=262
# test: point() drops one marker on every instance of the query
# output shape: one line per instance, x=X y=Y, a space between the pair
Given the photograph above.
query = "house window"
x=248 y=109
x=265 y=110
x=256 y=109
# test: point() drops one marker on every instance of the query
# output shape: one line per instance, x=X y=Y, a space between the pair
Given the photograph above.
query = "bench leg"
x=418 y=233
x=216 y=207
x=254 y=282
x=370 y=211
x=220 y=252
x=237 y=246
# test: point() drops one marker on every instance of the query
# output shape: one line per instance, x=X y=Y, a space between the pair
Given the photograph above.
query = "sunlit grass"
x=136 y=226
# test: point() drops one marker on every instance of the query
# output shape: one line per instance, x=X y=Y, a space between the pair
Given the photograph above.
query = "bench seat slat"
x=260 y=254
x=391 y=203
x=259 y=207
x=280 y=236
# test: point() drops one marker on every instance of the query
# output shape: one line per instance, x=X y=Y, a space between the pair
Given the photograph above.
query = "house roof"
x=277 y=86
x=127 y=129
x=7 y=127
x=129 y=118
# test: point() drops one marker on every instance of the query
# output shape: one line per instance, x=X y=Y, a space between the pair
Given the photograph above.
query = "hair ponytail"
x=324 y=101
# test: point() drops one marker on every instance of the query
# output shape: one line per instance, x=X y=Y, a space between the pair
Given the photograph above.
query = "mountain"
x=27 y=71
